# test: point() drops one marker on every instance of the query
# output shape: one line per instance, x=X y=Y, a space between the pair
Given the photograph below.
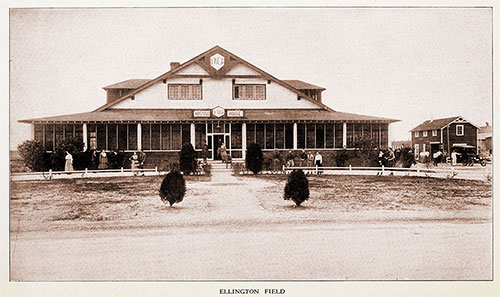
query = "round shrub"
x=173 y=188
x=33 y=154
x=187 y=159
x=297 y=187
x=254 y=158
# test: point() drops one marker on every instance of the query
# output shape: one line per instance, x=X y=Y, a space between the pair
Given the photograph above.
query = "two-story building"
x=216 y=97
x=442 y=134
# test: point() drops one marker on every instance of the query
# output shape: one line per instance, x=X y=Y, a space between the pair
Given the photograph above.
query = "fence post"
x=156 y=169
x=50 y=173
x=350 y=167
x=121 y=169
x=382 y=169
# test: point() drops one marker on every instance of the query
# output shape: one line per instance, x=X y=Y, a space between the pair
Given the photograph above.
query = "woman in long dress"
x=223 y=153
x=103 y=160
x=134 y=162
x=68 y=166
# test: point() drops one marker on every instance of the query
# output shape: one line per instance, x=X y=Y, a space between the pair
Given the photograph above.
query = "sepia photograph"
x=250 y=148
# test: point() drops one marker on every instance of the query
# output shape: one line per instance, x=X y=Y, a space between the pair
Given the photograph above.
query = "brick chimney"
x=174 y=65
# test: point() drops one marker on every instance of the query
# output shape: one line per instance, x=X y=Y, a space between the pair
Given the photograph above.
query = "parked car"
x=467 y=155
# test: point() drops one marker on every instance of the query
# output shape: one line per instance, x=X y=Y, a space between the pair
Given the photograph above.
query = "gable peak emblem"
x=217 y=61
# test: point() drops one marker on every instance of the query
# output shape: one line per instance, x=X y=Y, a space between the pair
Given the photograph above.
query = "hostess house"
x=216 y=97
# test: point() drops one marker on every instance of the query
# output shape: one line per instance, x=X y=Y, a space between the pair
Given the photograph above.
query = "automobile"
x=467 y=155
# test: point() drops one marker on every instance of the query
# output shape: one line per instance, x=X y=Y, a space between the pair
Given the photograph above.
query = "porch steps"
x=218 y=166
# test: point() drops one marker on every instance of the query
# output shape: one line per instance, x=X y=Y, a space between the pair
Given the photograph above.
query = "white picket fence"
x=483 y=173
x=452 y=172
x=87 y=173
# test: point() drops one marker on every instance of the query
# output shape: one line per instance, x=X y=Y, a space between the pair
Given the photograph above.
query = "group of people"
x=305 y=159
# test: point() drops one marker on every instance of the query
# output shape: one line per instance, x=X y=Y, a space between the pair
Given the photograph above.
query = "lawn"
x=133 y=202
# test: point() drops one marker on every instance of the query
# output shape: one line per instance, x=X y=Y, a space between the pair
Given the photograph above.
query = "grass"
x=134 y=201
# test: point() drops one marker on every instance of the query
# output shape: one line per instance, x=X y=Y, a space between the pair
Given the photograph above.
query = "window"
x=249 y=92
x=434 y=132
x=184 y=92
x=417 y=151
x=460 y=130
x=416 y=134
x=424 y=134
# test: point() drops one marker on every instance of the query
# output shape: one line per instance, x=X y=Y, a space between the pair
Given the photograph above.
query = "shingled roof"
x=302 y=85
x=131 y=84
x=434 y=124
x=169 y=115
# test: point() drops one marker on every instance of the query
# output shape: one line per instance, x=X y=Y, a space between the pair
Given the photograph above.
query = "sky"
x=410 y=64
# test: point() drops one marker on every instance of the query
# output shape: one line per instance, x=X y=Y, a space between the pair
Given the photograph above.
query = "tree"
x=34 y=156
x=173 y=188
x=187 y=158
x=297 y=187
x=367 y=151
x=254 y=158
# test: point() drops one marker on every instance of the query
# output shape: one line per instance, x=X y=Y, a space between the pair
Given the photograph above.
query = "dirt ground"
x=352 y=227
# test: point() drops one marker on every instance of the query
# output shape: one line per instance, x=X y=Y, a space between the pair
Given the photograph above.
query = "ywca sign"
x=217 y=61
x=218 y=111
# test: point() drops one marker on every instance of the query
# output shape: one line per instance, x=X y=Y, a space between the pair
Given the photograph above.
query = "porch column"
x=193 y=138
x=389 y=132
x=244 y=140
x=344 y=135
x=32 y=131
x=139 y=137
x=294 y=135
x=85 y=140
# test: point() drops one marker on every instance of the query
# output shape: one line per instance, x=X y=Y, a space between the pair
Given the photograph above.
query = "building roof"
x=169 y=115
x=302 y=85
x=484 y=130
x=128 y=84
x=224 y=69
x=434 y=124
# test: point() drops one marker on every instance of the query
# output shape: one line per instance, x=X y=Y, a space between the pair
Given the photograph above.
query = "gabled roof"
x=434 y=124
x=128 y=84
x=484 y=130
x=302 y=85
x=439 y=123
x=233 y=60
x=166 y=115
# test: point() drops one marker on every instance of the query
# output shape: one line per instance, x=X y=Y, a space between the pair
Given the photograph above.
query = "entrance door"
x=434 y=148
x=218 y=139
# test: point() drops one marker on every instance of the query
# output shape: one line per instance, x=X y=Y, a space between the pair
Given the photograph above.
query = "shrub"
x=33 y=154
x=367 y=152
x=254 y=158
x=187 y=158
x=297 y=187
x=341 y=158
x=173 y=188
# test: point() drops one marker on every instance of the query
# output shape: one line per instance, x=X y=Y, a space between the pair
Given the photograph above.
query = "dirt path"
x=240 y=228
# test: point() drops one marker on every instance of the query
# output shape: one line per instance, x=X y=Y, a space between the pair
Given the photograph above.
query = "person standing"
x=68 y=166
x=454 y=156
x=103 y=160
x=276 y=161
x=318 y=160
x=142 y=160
x=289 y=159
x=134 y=163
x=303 y=158
x=204 y=152
x=310 y=159
x=223 y=154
